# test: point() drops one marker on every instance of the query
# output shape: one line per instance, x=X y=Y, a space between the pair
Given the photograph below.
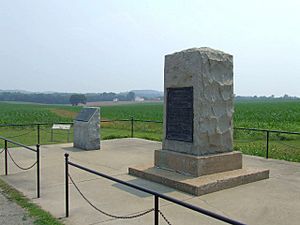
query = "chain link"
x=244 y=141
x=54 y=132
x=19 y=135
x=20 y=167
x=164 y=217
x=284 y=144
x=105 y=213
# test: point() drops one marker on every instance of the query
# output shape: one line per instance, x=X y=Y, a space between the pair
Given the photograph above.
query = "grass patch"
x=64 y=113
x=39 y=216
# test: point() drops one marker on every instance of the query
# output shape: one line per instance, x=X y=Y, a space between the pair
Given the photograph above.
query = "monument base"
x=87 y=148
x=199 y=185
x=197 y=165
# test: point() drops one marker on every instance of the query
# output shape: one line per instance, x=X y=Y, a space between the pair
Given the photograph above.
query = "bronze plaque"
x=180 y=114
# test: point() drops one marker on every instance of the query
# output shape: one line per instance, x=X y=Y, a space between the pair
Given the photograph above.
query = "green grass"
x=39 y=216
x=281 y=115
x=145 y=111
x=278 y=115
x=34 y=113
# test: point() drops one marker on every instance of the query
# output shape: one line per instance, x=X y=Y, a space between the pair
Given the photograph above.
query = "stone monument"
x=87 y=129
x=197 y=152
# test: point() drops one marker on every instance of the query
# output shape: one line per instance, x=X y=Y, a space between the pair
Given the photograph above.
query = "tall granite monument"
x=87 y=129
x=197 y=152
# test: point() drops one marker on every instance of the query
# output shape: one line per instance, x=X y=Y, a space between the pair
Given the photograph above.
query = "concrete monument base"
x=199 y=185
x=197 y=165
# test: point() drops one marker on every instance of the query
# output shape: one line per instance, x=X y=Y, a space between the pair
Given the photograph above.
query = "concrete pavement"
x=272 y=201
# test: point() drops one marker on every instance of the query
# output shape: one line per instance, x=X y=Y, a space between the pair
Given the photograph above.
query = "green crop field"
x=276 y=115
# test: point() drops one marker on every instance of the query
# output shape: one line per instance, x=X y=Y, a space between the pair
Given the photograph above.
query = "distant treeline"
x=265 y=98
x=62 y=98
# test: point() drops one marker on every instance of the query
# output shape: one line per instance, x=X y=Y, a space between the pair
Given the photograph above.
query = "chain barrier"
x=164 y=217
x=56 y=133
x=20 y=167
x=284 y=144
x=2 y=150
x=45 y=129
x=139 y=214
x=244 y=141
x=21 y=129
x=19 y=135
x=61 y=133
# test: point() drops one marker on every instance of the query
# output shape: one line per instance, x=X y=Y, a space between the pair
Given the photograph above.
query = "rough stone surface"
x=197 y=165
x=210 y=73
x=200 y=185
x=87 y=134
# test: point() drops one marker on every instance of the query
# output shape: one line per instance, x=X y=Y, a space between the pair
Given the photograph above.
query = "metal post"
x=51 y=135
x=156 y=210
x=38 y=169
x=5 y=156
x=38 y=135
x=69 y=135
x=132 y=127
x=267 y=150
x=67 y=182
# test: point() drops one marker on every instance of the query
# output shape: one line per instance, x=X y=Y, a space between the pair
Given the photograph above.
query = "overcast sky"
x=97 y=46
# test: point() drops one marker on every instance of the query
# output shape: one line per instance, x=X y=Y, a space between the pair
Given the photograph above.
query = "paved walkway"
x=272 y=201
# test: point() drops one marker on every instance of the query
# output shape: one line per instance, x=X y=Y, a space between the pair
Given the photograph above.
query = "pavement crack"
x=171 y=203
x=82 y=181
x=93 y=164
x=103 y=221
x=98 y=178
x=217 y=209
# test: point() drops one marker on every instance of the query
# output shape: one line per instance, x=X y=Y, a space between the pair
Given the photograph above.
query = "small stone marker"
x=198 y=111
x=87 y=129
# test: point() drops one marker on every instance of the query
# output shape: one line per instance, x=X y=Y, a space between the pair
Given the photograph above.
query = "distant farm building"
x=139 y=99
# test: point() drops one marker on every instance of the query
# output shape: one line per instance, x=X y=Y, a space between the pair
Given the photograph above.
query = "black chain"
x=19 y=135
x=58 y=133
x=164 y=217
x=105 y=213
x=44 y=129
x=244 y=141
x=2 y=150
x=284 y=144
x=20 y=167
x=52 y=132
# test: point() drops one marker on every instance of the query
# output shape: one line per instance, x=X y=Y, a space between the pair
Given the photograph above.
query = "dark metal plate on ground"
x=85 y=114
x=180 y=114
